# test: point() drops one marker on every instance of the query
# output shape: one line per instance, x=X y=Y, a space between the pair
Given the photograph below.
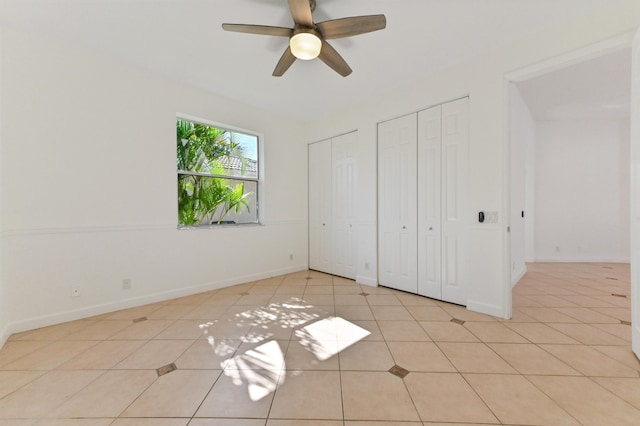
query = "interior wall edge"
x=517 y=276
x=4 y=336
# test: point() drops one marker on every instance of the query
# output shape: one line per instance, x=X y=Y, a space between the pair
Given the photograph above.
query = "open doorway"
x=570 y=163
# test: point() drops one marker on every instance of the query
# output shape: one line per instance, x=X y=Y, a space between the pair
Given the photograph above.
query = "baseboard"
x=485 y=308
x=89 y=311
x=518 y=276
x=580 y=260
x=372 y=282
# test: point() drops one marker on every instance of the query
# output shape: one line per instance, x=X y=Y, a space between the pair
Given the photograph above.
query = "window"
x=218 y=175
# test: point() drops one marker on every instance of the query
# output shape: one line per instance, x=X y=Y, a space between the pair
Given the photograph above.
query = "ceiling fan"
x=308 y=40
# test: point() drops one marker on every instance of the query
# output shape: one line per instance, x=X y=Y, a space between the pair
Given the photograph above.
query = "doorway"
x=570 y=164
x=569 y=201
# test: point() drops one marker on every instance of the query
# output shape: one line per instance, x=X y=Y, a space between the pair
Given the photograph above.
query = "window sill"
x=219 y=226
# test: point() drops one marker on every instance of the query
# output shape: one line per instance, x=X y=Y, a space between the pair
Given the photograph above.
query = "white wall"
x=89 y=151
x=483 y=80
x=522 y=140
x=582 y=191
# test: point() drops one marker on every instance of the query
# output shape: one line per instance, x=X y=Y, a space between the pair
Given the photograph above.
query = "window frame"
x=259 y=205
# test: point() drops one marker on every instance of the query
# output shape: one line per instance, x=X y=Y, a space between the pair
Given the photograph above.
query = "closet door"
x=320 y=206
x=343 y=205
x=429 y=205
x=455 y=161
x=397 y=206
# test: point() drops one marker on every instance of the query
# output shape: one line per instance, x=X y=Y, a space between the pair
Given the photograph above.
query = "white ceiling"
x=596 y=89
x=183 y=40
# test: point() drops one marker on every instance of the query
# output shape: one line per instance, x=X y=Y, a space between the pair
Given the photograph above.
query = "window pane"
x=248 y=145
x=207 y=149
x=204 y=200
x=247 y=212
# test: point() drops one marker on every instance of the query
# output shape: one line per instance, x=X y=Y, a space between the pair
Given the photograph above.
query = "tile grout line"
x=526 y=377
x=340 y=370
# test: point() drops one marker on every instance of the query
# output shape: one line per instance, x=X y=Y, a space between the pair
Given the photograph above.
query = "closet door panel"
x=429 y=205
x=397 y=206
x=320 y=235
x=455 y=146
x=387 y=198
x=344 y=195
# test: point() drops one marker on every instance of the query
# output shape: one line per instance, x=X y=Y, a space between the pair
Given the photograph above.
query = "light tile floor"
x=310 y=349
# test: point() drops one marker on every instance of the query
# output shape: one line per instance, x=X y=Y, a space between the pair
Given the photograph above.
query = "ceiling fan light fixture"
x=305 y=45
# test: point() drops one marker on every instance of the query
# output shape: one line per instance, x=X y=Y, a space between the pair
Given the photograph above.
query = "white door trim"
x=634 y=254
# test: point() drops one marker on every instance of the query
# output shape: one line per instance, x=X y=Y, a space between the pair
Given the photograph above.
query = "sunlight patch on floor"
x=329 y=336
x=262 y=368
x=259 y=368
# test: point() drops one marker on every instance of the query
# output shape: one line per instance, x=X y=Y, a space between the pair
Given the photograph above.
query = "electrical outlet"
x=126 y=283
x=75 y=291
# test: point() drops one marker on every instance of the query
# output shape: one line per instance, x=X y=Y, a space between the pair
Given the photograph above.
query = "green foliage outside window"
x=204 y=154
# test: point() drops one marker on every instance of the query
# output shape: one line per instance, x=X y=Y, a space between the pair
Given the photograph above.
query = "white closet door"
x=343 y=204
x=397 y=206
x=429 y=205
x=455 y=159
x=320 y=206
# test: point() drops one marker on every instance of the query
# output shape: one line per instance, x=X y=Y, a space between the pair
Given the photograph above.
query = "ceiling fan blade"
x=301 y=12
x=286 y=60
x=347 y=27
x=258 y=29
x=331 y=57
